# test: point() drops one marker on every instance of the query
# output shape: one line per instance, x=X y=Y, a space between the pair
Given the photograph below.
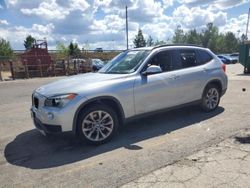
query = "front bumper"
x=52 y=119
x=45 y=128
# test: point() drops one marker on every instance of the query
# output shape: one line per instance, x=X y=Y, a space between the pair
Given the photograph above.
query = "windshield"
x=126 y=62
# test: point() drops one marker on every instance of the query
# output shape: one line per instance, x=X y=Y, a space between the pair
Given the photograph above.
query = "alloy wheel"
x=212 y=98
x=97 y=125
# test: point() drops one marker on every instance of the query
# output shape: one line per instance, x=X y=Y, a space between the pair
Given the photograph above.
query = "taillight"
x=223 y=66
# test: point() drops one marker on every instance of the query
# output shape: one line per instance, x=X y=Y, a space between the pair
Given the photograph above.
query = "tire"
x=97 y=124
x=246 y=71
x=95 y=69
x=210 y=98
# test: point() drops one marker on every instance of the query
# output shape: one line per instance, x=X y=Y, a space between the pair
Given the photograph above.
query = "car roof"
x=142 y=48
x=170 y=45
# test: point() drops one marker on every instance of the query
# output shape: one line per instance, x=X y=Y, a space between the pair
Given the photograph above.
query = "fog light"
x=50 y=116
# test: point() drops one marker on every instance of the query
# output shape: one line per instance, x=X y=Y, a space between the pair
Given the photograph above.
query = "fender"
x=97 y=99
x=218 y=82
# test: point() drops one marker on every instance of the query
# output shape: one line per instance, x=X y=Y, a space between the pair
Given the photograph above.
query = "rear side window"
x=204 y=56
x=188 y=58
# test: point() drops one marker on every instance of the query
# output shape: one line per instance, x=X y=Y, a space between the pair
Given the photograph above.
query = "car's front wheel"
x=97 y=124
x=210 y=98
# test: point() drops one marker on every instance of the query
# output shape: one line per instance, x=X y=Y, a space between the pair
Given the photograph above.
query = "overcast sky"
x=101 y=23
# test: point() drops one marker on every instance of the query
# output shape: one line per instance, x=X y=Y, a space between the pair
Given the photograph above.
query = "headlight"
x=59 y=100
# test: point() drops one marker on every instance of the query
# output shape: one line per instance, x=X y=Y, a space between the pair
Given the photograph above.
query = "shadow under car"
x=32 y=150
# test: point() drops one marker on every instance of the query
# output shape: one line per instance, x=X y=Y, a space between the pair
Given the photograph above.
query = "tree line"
x=7 y=52
x=210 y=37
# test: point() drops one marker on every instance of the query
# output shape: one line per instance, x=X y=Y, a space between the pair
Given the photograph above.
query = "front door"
x=157 y=91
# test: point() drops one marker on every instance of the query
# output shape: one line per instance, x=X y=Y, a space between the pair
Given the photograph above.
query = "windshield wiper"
x=116 y=72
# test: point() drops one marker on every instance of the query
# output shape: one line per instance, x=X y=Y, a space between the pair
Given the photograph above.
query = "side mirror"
x=153 y=69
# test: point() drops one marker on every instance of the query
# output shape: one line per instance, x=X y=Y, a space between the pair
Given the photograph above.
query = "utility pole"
x=127 y=25
x=247 y=23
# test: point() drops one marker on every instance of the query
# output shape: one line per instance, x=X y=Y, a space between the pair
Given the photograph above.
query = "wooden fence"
x=17 y=68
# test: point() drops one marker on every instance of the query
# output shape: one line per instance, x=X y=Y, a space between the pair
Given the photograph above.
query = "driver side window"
x=162 y=59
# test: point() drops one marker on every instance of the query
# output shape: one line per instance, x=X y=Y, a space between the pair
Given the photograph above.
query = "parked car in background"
x=227 y=59
x=232 y=59
x=224 y=59
x=97 y=64
x=235 y=56
x=59 y=64
x=99 y=50
x=77 y=62
x=137 y=82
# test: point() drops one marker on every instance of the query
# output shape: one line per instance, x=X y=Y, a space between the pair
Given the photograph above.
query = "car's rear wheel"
x=97 y=124
x=210 y=98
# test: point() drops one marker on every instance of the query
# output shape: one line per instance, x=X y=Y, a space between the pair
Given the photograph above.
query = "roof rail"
x=166 y=45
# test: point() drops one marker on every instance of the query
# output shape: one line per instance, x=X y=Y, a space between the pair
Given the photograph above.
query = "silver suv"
x=137 y=82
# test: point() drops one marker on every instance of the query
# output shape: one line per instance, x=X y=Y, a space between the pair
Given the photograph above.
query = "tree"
x=86 y=46
x=161 y=42
x=192 y=37
x=179 y=36
x=220 y=46
x=29 y=41
x=139 y=40
x=74 y=49
x=209 y=38
x=5 y=49
x=150 y=41
x=231 y=42
x=63 y=51
x=243 y=38
x=209 y=35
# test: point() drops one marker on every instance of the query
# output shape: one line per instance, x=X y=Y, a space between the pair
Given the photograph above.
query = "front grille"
x=36 y=102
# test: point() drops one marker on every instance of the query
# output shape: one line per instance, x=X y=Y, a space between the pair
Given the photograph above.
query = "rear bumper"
x=45 y=128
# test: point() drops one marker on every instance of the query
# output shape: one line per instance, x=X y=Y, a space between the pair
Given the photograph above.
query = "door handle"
x=204 y=69
x=174 y=77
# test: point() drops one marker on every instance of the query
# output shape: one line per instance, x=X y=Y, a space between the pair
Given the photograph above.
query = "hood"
x=77 y=83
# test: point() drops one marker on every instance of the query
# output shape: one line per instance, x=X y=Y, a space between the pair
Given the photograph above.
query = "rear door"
x=192 y=71
x=182 y=80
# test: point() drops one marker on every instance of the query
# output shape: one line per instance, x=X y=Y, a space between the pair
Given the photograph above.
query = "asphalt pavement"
x=226 y=164
x=28 y=159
